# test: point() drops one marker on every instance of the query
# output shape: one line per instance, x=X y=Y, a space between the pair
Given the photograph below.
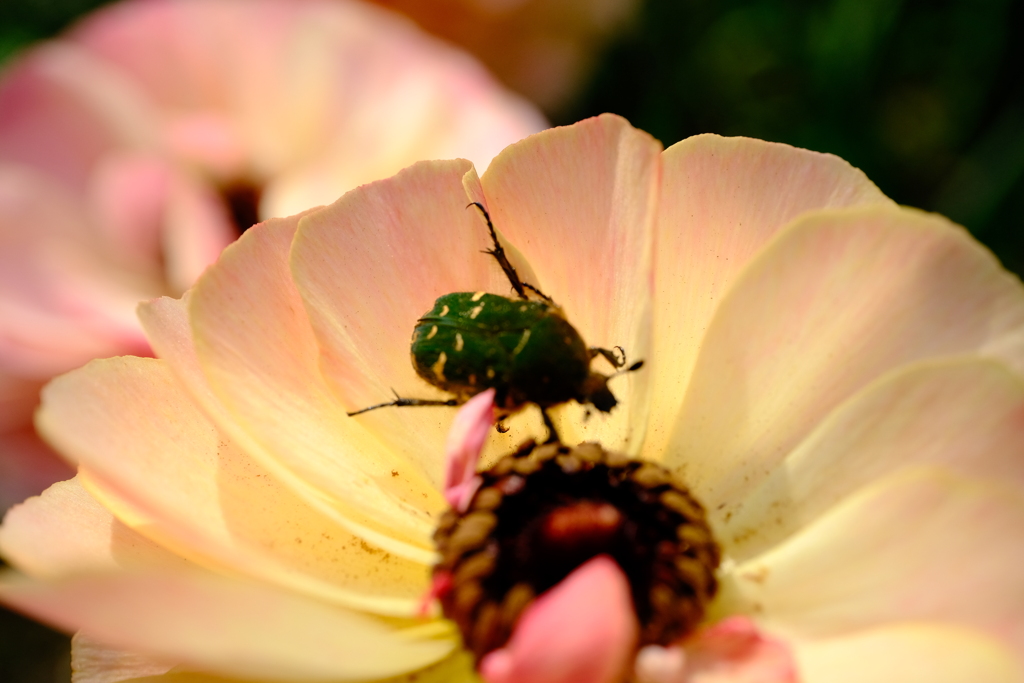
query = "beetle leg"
x=403 y=402
x=498 y=252
x=552 y=432
x=617 y=360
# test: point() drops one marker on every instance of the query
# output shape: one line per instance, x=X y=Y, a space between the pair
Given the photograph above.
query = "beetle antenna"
x=498 y=252
x=616 y=355
x=400 y=402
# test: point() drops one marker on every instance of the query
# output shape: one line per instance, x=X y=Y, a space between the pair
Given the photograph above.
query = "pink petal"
x=579 y=202
x=466 y=438
x=721 y=201
x=61 y=301
x=317 y=96
x=734 y=651
x=835 y=302
x=197 y=229
x=129 y=195
x=581 y=631
x=48 y=117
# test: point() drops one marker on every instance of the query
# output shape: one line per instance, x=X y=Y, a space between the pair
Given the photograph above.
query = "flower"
x=543 y=48
x=141 y=143
x=836 y=378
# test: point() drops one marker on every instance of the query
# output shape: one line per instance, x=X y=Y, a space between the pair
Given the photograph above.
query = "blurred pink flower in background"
x=138 y=146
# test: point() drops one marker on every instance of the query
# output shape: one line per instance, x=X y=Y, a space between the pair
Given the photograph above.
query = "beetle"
x=523 y=348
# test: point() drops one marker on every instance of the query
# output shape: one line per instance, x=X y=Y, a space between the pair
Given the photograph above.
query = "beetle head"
x=597 y=393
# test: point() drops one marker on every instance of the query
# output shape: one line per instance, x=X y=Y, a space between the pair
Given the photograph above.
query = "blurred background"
x=926 y=96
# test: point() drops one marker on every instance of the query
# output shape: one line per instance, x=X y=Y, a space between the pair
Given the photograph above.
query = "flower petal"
x=61 y=303
x=151 y=454
x=65 y=530
x=919 y=545
x=333 y=94
x=92 y=662
x=456 y=668
x=224 y=626
x=722 y=200
x=579 y=202
x=400 y=243
x=167 y=326
x=735 y=651
x=838 y=299
x=908 y=653
x=62 y=110
x=964 y=414
x=466 y=438
x=583 y=630
x=197 y=230
x=257 y=350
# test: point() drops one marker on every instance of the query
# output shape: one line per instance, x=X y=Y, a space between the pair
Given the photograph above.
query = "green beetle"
x=522 y=348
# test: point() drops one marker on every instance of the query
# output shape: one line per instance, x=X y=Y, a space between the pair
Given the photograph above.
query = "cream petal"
x=92 y=662
x=65 y=530
x=579 y=203
x=918 y=545
x=154 y=460
x=963 y=414
x=838 y=299
x=721 y=201
x=908 y=653
x=258 y=352
x=456 y=668
x=167 y=326
x=368 y=267
x=225 y=626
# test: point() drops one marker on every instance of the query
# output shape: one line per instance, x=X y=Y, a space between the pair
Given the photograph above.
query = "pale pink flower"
x=836 y=378
x=133 y=149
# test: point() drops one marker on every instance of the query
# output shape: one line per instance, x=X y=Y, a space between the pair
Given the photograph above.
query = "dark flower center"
x=242 y=198
x=543 y=511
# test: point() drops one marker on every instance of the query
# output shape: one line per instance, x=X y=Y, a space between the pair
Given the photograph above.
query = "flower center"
x=544 y=510
x=242 y=198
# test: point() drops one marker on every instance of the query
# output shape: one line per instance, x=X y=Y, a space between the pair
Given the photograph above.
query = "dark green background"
x=923 y=96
